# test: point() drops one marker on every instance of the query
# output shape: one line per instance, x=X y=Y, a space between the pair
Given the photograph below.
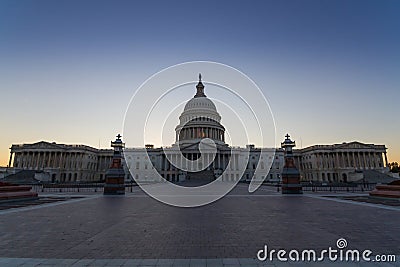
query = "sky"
x=329 y=69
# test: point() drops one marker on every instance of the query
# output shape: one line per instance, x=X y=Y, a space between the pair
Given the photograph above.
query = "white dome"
x=198 y=107
x=200 y=103
x=199 y=119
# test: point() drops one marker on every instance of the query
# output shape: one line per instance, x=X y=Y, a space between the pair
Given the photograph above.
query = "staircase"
x=21 y=177
x=204 y=175
x=373 y=176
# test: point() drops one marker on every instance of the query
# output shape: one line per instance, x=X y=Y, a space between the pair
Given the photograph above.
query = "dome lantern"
x=200 y=88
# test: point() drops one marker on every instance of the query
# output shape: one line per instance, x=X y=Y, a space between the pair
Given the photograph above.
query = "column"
x=164 y=165
x=354 y=161
x=323 y=161
x=9 y=162
x=41 y=159
x=28 y=159
x=341 y=158
x=43 y=162
x=386 y=160
x=48 y=159
x=31 y=159
x=47 y=164
x=337 y=160
x=365 y=161
x=236 y=162
x=66 y=159
x=38 y=160
x=59 y=163
x=16 y=159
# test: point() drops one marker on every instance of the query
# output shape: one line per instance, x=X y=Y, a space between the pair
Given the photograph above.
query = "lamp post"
x=290 y=174
x=115 y=175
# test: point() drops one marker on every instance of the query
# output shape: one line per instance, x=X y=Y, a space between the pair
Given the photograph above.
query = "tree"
x=394 y=167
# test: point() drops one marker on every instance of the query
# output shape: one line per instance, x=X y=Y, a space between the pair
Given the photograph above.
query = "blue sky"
x=330 y=69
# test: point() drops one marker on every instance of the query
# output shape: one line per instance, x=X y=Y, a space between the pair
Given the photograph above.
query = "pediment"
x=355 y=145
x=43 y=145
x=196 y=145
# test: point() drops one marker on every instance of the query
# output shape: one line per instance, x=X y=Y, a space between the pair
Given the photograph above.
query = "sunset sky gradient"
x=330 y=69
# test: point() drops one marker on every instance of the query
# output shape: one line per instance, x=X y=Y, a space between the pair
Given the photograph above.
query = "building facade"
x=340 y=162
x=63 y=163
x=200 y=119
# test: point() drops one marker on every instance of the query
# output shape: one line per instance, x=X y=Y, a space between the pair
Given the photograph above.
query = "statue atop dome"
x=200 y=88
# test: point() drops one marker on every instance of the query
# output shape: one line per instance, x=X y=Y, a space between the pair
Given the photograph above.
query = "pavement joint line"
x=14 y=210
x=371 y=205
x=139 y=196
x=180 y=262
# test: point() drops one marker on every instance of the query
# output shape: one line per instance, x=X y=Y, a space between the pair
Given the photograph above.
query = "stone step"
x=204 y=175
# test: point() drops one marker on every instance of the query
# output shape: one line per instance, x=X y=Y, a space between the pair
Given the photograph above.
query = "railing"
x=339 y=188
x=99 y=187
x=75 y=188
x=351 y=188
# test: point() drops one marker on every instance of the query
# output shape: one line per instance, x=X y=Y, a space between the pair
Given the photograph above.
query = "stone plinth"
x=115 y=175
x=115 y=183
x=10 y=192
x=290 y=174
x=291 y=178
x=391 y=190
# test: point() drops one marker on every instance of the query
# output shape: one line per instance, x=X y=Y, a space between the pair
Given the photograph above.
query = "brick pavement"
x=137 y=227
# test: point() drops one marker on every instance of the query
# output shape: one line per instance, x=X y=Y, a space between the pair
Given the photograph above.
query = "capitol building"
x=200 y=120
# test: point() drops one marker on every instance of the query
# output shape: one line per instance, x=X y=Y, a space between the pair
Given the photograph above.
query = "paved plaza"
x=134 y=229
